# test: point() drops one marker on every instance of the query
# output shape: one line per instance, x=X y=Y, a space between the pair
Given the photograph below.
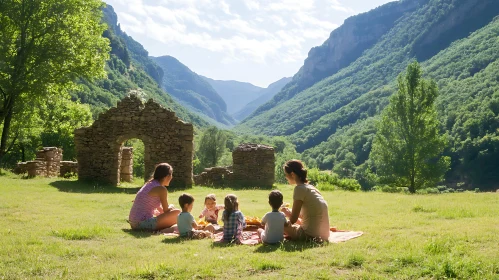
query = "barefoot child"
x=233 y=220
x=274 y=221
x=211 y=209
x=187 y=226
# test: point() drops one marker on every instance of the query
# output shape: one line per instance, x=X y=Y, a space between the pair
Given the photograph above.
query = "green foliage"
x=44 y=47
x=211 y=146
x=337 y=114
x=407 y=149
x=129 y=68
x=326 y=181
x=138 y=157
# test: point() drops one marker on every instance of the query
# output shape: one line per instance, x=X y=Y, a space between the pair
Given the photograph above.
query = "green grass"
x=56 y=228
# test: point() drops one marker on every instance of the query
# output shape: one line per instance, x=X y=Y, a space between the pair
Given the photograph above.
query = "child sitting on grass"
x=274 y=221
x=233 y=219
x=186 y=222
x=211 y=209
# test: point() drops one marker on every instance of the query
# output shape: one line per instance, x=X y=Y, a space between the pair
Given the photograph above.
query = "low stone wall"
x=215 y=176
x=68 y=167
x=47 y=164
x=21 y=168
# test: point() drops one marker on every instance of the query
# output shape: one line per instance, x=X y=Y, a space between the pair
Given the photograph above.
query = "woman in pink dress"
x=150 y=210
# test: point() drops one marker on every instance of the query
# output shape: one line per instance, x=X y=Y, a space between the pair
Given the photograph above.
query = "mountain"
x=339 y=92
x=236 y=94
x=191 y=90
x=265 y=95
x=129 y=68
x=345 y=45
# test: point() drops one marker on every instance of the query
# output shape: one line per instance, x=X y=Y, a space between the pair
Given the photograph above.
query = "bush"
x=325 y=181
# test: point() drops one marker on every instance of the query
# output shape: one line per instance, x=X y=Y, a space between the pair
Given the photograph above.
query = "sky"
x=255 y=41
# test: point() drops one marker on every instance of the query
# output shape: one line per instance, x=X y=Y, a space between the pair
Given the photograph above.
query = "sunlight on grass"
x=423 y=209
x=79 y=231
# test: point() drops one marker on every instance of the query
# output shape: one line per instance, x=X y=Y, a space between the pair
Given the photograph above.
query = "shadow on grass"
x=289 y=246
x=90 y=187
x=173 y=240
x=138 y=233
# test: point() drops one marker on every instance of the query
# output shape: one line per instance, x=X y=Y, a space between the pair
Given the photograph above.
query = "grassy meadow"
x=56 y=228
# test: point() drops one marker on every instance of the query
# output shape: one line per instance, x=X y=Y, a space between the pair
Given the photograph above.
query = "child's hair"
x=161 y=171
x=275 y=199
x=231 y=205
x=184 y=199
x=296 y=167
x=210 y=196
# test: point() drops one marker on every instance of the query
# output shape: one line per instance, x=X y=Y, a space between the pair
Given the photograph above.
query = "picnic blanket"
x=251 y=237
x=342 y=236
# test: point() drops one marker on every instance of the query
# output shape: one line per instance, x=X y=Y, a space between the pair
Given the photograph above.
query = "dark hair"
x=184 y=199
x=210 y=196
x=296 y=167
x=161 y=171
x=275 y=199
x=231 y=205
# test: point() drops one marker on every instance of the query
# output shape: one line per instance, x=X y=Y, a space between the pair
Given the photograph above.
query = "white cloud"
x=249 y=30
x=336 y=5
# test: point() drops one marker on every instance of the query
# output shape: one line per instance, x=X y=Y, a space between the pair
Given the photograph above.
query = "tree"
x=407 y=148
x=212 y=146
x=45 y=46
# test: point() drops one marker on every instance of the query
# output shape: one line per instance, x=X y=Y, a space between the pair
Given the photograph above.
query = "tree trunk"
x=412 y=187
x=23 y=153
x=5 y=134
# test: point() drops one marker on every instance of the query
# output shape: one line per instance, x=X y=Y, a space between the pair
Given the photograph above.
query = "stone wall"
x=214 y=176
x=126 y=164
x=68 y=167
x=166 y=138
x=46 y=164
x=253 y=166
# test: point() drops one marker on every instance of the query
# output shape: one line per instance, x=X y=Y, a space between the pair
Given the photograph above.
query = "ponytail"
x=231 y=205
x=297 y=167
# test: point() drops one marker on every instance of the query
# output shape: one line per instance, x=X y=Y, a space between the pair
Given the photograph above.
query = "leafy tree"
x=407 y=148
x=45 y=46
x=212 y=146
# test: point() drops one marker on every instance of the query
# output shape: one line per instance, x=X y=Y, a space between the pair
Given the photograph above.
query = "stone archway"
x=166 y=139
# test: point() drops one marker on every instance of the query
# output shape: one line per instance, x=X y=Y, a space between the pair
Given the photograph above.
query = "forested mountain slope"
x=345 y=44
x=265 y=95
x=468 y=108
x=129 y=68
x=336 y=116
x=191 y=90
x=236 y=94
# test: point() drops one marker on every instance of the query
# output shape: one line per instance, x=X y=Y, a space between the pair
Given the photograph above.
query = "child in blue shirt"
x=187 y=226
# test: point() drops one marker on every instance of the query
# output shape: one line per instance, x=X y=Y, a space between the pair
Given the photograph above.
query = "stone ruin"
x=48 y=163
x=166 y=138
x=253 y=166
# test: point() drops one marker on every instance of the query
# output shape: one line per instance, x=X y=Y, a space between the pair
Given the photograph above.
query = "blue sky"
x=256 y=41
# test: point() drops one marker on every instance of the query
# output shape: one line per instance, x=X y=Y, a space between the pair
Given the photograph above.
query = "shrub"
x=325 y=180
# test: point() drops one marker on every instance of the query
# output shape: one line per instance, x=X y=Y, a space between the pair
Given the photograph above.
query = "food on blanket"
x=333 y=229
x=253 y=221
x=202 y=223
